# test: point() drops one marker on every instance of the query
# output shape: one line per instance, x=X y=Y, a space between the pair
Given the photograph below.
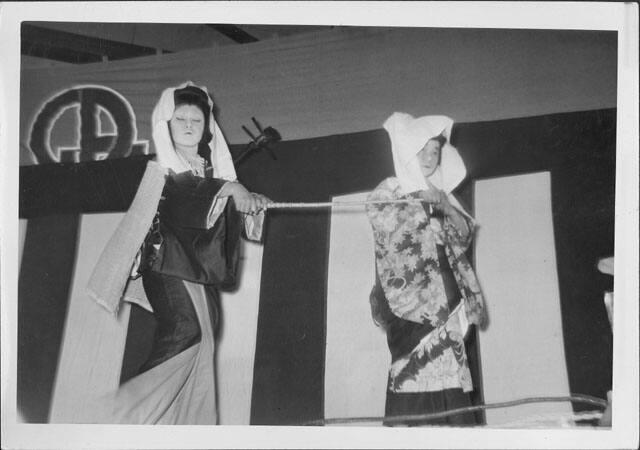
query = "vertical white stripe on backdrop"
x=522 y=350
x=94 y=340
x=236 y=344
x=357 y=357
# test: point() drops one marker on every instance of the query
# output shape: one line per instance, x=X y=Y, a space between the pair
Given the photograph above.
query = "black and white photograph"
x=319 y=224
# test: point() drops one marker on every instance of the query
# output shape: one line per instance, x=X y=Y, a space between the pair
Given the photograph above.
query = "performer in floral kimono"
x=187 y=219
x=426 y=292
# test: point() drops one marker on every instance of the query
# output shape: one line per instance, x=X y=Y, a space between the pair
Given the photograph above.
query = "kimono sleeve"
x=381 y=215
x=458 y=240
x=191 y=247
x=253 y=225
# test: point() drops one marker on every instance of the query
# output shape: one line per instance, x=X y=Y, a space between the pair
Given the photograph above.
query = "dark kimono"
x=425 y=296
x=190 y=252
x=186 y=246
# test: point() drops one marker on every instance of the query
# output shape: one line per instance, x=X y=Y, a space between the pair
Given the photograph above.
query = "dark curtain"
x=44 y=283
x=579 y=151
x=578 y=148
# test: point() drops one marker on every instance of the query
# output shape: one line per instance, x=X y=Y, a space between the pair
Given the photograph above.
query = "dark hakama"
x=404 y=336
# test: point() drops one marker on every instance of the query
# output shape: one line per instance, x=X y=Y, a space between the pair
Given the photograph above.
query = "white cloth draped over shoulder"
x=110 y=283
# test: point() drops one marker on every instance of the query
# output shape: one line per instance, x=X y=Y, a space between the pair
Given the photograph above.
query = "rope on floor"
x=574 y=398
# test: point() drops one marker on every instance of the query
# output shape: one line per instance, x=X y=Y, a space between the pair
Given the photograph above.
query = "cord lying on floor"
x=576 y=398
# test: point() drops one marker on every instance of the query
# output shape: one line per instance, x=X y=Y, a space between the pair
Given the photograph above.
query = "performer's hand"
x=444 y=205
x=245 y=201
x=261 y=201
x=439 y=199
x=431 y=195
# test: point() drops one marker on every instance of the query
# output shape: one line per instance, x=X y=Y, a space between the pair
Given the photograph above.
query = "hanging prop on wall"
x=265 y=140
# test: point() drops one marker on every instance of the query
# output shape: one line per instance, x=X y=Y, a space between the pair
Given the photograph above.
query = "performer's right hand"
x=245 y=202
x=261 y=201
x=430 y=196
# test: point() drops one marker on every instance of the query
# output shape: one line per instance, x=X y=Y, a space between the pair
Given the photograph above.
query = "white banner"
x=318 y=84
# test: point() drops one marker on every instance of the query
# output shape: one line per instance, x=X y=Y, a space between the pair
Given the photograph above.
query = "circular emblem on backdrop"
x=93 y=105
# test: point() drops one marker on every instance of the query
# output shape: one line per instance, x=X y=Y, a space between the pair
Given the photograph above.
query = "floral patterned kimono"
x=426 y=294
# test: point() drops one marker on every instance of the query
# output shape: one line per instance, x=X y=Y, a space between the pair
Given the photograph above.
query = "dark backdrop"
x=577 y=148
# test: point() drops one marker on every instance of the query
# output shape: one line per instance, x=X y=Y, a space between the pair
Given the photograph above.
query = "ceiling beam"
x=234 y=32
x=76 y=48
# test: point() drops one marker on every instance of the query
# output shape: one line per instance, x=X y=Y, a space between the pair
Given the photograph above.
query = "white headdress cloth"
x=220 y=157
x=408 y=136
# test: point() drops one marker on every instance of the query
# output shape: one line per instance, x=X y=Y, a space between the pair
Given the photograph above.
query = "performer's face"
x=429 y=157
x=187 y=125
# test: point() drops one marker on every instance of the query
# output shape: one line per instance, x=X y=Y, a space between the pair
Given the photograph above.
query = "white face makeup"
x=187 y=126
x=429 y=157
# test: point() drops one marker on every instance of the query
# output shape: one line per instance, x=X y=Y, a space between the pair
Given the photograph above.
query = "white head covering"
x=165 y=151
x=408 y=136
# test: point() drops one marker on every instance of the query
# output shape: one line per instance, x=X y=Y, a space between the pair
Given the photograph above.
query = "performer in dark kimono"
x=426 y=292
x=190 y=251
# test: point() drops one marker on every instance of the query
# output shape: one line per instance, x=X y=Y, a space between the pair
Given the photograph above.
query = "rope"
x=576 y=398
x=543 y=419
x=298 y=205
